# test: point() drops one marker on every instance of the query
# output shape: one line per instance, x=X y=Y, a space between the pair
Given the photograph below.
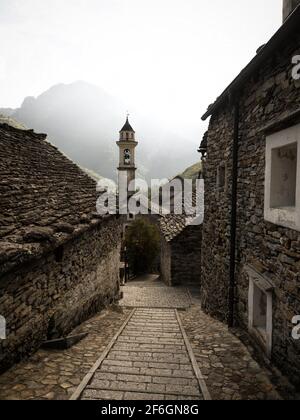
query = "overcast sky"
x=167 y=58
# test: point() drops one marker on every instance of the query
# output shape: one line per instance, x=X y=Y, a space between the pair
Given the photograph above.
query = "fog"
x=164 y=60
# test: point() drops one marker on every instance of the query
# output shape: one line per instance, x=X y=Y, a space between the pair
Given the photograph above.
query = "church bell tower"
x=127 y=145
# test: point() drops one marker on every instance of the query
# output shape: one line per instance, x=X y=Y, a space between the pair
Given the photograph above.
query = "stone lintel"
x=285 y=120
x=262 y=280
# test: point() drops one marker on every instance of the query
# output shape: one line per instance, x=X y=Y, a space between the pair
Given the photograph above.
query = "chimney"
x=288 y=7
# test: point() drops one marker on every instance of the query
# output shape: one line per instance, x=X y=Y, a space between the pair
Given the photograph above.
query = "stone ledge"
x=285 y=120
x=262 y=280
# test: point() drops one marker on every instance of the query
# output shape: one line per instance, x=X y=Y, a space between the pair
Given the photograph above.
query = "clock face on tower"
x=127 y=157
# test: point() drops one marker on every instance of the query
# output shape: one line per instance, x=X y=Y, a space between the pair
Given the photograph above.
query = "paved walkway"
x=55 y=374
x=157 y=353
x=149 y=292
x=148 y=360
x=228 y=366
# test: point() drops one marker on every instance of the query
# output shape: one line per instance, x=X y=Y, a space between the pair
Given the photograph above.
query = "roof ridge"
x=8 y=127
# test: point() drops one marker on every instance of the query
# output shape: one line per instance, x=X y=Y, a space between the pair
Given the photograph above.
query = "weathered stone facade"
x=181 y=234
x=47 y=298
x=267 y=98
x=166 y=261
x=181 y=257
x=59 y=260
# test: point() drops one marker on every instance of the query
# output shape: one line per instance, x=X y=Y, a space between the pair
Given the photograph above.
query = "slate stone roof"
x=45 y=199
x=173 y=224
x=127 y=127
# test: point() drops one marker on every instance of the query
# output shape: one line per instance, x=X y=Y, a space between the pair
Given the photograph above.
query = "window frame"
x=282 y=216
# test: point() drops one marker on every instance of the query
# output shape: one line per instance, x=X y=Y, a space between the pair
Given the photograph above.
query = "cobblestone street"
x=228 y=368
x=54 y=374
x=149 y=292
x=150 y=357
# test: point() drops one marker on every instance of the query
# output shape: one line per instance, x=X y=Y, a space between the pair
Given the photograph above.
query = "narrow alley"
x=157 y=344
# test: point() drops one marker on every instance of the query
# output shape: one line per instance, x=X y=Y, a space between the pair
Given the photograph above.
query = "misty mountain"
x=83 y=122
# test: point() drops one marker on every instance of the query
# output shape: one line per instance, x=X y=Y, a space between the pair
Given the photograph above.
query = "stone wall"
x=181 y=258
x=216 y=226
x=165 y=262
x=274 y=250
x=49 y=297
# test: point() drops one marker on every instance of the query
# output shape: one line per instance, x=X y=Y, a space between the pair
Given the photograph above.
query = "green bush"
x=142 y=246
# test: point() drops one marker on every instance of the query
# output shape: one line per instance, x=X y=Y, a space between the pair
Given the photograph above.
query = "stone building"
x=181 y=240
x=251 y=231
x=59 y=260
x=180 y=251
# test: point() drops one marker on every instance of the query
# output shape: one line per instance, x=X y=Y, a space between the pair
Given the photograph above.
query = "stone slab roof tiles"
x=173 y=224
x=45 y=198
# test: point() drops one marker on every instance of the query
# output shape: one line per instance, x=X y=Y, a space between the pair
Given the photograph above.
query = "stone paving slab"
x=155 y=297
x=229 y=369
x=135 y=396
x=146 y=348
x=146 y=375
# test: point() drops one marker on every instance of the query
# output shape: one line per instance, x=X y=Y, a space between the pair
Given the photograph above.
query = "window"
x=260 y=311
x=221 y=176
x=127 y=157
x=2 y=328
x=260 y=308
x=282 y=178
x=59 y=254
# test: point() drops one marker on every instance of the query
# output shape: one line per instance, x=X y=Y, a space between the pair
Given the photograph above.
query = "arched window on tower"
x=127 y=157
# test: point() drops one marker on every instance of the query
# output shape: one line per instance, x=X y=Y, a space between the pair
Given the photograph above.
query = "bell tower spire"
x=127 y=144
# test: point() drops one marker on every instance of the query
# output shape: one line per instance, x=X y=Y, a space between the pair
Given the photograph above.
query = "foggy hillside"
x=83 y=121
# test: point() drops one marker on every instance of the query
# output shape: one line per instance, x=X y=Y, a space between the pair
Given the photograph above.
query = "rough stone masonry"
x=268 y=97
x=59 y=260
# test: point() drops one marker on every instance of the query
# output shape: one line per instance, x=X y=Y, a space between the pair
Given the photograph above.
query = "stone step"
x=146 y=379
x=152 y=388
x=91 y=394
x=148 y=371
x=149 y=349
x=145 y=340
x=149 y=357
x=145 y=334
x=152 y=331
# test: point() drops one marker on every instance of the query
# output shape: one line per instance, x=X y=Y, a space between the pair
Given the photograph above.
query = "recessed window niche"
x=260 y=308
x=282 y=178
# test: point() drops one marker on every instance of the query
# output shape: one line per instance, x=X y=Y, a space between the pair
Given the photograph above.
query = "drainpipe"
x=231 y=294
